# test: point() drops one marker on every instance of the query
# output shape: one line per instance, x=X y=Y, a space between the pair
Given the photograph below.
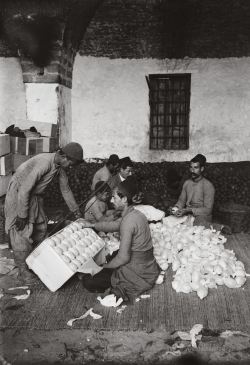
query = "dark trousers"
x=99 y=282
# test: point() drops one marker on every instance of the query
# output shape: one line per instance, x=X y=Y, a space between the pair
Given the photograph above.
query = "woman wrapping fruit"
x=134 y=269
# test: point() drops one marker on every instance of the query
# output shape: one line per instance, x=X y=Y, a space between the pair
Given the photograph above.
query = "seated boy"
x=96 y=209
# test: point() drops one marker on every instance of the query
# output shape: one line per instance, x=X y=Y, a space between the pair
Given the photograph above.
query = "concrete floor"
x=89 y=347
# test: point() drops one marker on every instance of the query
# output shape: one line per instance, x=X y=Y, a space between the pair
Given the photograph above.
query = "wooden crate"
x=26 y=146
x=50 y=144
x=50 y=266
x=6 y=164
x=4 y=144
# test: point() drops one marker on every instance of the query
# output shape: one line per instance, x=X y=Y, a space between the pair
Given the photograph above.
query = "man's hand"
x=20 y=223
x=86 y=224
x=77 y=214
x=182 y=212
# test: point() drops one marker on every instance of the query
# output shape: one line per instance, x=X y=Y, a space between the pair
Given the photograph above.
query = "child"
x=96 y=209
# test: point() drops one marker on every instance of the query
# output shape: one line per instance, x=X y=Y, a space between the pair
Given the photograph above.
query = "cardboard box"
x=26 y=146
x=50 y=144
x=4 y=183
x=49 y=265
x=18 y=160
x=6 y=164
x=4 y=144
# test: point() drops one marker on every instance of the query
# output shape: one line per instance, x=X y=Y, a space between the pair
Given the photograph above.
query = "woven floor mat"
x=166 y=310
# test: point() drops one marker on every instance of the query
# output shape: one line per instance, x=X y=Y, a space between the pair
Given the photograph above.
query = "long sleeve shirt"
x=199 y=196
x=34 y=175
x=103 y=174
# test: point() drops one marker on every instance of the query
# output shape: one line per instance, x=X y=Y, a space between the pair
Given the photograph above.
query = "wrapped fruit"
x=75 y=244
x=198 y=258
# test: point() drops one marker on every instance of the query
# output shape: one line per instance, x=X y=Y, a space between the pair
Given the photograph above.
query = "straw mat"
x=222 y=309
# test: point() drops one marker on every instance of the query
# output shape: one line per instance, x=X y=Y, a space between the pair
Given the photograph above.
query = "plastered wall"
x=12 y=93
x=110 y=109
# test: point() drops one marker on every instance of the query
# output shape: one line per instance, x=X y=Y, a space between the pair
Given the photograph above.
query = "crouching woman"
x=134 y=269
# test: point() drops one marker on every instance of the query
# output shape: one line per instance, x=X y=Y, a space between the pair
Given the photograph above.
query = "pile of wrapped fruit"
x=75 y=244
x=197 y=255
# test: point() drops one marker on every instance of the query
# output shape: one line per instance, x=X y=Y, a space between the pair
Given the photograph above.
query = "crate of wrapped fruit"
x=63 y=254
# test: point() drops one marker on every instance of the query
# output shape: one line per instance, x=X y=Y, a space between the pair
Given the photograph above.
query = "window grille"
x=169 y=100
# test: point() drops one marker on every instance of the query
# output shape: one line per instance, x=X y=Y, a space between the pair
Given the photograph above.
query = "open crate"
x=61 y=255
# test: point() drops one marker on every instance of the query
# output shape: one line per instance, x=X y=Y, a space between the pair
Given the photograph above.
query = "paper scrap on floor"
x=110 y=301
x=144 y=296
x=19 y=287
x=120 y=310
x=23 y=296
x=192 y=335
x=88 y=313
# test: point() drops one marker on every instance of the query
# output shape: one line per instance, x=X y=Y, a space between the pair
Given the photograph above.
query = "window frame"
x=184 y=80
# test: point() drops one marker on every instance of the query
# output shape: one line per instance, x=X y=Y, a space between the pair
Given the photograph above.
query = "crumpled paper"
x=19 y=287
x=151 y=213
x=160 y=279
x=110 y=301
x=6 y=265
x=192 y=335
x=172 y=353
x=229 y=333
x=145 y=296
x=88 y=313
x=120 y=310
x=23 y=296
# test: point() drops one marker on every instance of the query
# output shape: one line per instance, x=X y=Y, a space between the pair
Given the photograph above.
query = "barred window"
x=169 y=100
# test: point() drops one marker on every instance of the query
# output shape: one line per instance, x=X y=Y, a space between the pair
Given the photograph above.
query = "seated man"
x=197 y=196
x=125 y=170
x=96 y=209
x=106 y=172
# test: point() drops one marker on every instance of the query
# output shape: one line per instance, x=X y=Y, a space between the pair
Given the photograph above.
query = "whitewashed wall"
x=110 y=110
x=12 y=93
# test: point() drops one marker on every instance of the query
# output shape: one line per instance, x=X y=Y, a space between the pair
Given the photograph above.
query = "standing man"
x=197 y=196
x=26 y=222
x=106 y=172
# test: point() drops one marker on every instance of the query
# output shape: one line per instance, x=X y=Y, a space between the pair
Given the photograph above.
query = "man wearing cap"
x=125 y=170
x=197 y=196
x=106 y=172
x=25 y=220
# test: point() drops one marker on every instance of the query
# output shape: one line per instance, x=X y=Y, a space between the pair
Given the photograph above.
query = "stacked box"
x=4 y=144
x=26 y=146
x=4 y=182
x=6 y=164
x=60 y=256
x=50 y=144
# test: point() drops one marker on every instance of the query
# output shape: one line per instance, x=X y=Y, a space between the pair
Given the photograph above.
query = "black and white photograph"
x=125 y=182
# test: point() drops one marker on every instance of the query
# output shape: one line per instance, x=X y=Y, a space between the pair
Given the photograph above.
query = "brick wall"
x=164 y=29
x=58 y=71
x=169 y=29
